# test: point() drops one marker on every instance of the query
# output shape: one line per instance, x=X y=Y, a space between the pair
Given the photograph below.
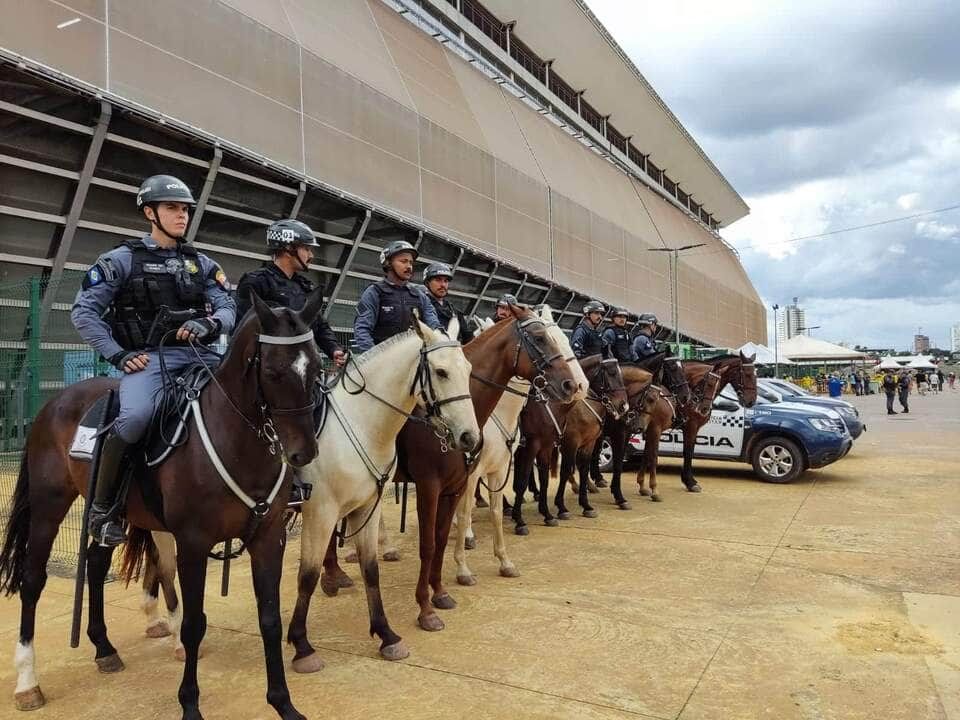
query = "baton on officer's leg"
x=225 y=576
x=403 y=507
x=84 y=535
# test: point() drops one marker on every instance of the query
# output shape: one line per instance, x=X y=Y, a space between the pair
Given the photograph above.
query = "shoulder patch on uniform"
x=102 y=271
x=93 y=277
x=221 y=278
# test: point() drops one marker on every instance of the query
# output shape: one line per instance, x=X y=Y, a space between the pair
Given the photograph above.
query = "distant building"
x=955 y=338
x=921 y=344
x=790 y=323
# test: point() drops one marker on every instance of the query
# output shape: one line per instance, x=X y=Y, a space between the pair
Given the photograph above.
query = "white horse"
x=356 y=457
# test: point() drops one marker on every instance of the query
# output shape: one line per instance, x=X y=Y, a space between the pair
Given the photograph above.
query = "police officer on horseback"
x=436 y=278
x=384 y=307
x=643 y=346
x=617 y=338
x=586 y=339
x=502 y=311
x=154 y=290
x=279 y=283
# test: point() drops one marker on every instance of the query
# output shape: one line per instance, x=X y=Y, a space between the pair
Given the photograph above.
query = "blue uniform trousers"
x=139 y=390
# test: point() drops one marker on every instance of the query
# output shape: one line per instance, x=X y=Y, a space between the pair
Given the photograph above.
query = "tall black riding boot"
x=104 y=526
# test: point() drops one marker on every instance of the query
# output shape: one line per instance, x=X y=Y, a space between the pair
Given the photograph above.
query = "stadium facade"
x=515 y=141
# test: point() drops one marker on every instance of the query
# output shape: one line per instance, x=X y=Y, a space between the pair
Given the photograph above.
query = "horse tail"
x=13 y=556
x=138 y=549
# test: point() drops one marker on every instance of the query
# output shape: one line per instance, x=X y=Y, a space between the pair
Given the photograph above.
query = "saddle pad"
x=85 y=438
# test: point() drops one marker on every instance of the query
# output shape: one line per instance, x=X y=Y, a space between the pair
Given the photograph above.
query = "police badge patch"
x=191 y=266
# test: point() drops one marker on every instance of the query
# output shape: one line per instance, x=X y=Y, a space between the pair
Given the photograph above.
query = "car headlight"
x=852 y=412
x=824 y=424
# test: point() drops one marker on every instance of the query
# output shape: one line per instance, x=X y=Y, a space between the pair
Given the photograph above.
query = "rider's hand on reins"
x=197 y=329
x=339 y=358
x=130 y=362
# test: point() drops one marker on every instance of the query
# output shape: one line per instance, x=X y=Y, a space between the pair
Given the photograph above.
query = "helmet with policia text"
x=620 y=312
x=395 y=248
x=437 y=269
x=285 y=234
x=594 y=306
x=648 y=319
x=163 y=188
x=506 y=300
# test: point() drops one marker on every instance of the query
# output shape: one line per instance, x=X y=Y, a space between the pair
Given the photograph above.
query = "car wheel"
x=606 y=455
x=777 y=460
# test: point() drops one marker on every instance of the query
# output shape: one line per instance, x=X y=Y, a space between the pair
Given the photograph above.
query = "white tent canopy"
x=890 y=363
x=921 y=363
x=765 y=356
x=802 y=347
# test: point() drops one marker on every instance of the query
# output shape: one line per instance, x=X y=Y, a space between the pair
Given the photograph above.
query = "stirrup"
x=111 y=534
x=299 y=494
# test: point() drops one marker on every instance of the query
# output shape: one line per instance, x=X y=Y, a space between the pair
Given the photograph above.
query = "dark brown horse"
x=705 y=379
x=528 y=346
x=254 y=422
x=547 y=427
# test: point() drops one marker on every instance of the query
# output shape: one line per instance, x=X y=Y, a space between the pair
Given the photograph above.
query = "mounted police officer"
x=586 y=339
x=502 y=311
x=436 y=278
x=154 y=288
x=617 y=338
x=643 y=346
x=278 y=283
x=384 y=307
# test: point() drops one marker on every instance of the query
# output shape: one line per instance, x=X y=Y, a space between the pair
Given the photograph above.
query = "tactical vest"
x=286 y=292
x=396 y=303
x=160 y=294
x=620 y=347
x=593 y=343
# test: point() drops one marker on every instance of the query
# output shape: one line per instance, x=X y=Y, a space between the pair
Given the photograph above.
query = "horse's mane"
x=380 y=348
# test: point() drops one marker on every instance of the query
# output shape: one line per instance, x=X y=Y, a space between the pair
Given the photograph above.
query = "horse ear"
x=418 y=327
x=312 y=307
x=546 y=313
x=268 y=320
x=746 y=358
x=453 y=327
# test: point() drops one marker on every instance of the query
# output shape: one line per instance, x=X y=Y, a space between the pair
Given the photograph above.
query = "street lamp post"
x=675 y=303
x=776 y=343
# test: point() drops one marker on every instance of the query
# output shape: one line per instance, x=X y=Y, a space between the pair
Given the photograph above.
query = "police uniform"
x=617 y=341
x=586 y=341
x=643 y=346
x=384 y=311
x=904 y=391
x=446 y=312
x=274 y=287
x=118 y=309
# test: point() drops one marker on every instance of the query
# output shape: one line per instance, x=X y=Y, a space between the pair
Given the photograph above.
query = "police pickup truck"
x=780 y=440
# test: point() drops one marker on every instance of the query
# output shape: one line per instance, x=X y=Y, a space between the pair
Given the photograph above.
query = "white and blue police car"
x=781 y=440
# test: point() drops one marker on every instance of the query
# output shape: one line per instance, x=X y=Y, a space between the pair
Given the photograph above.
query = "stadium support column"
x=212 y=169
x=73 y=217
x=346 y=265
x=476 y=304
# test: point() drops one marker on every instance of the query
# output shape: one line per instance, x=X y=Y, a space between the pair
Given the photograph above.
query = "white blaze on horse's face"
x=450 y=375
x=562 y=343
x=300 y=367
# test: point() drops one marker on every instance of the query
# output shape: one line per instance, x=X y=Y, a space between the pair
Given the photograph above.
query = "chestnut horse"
x=705 y=379
x=527 y=345
x=255 y=423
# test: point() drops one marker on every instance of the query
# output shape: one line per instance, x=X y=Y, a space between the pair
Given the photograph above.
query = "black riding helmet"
x=620 y=312
x=284 y=234
x=594 y=306
x=163 y=188
x=394 y=248
x=437 y=269
x=506 y=300
x=648 y=319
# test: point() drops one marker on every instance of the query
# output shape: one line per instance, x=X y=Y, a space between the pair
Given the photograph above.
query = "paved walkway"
x=835 y=597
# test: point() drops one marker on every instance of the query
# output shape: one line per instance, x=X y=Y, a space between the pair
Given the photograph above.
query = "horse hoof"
x=644 y=492
x=695 y=488
x=352 y=557
x=443 y=602
x=468 y=580
x=521 y=530
x=590 y=513
x=431 y=622
x=656 y=498
x=509 y=571
x=329 y=585
x=601 y=483
x=158 y=630
x=309 y=664
x=470 y=543
x=563 y=515
x=624 y=505
x=551 y=522
x=31 y=699
x=397 y=651
x=180 y=653
x=391 y=556
x=110 y=664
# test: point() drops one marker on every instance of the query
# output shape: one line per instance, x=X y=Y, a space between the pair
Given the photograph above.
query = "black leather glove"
x=118 y=360
x=202 y=327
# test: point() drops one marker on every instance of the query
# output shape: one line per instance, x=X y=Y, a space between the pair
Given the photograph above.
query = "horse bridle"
x=541 y=361
x=605 y=390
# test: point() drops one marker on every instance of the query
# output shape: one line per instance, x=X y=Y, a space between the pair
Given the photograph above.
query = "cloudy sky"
x=824 y=115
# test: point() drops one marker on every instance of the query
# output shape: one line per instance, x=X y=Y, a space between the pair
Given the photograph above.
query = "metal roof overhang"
x=587 y=57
